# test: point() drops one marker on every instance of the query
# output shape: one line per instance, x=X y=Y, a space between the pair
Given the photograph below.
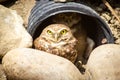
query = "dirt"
x=109 y=18
x=23 y=8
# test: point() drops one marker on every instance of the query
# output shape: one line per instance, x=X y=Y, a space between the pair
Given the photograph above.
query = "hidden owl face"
x=68 y=19
x=57 y=33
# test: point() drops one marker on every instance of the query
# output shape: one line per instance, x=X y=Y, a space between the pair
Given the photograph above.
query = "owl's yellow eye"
x=64 y=31
x=49 y=32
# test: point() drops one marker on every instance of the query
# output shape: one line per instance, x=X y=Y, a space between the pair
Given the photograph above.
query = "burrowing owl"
x=73 y=20
x=57 y=39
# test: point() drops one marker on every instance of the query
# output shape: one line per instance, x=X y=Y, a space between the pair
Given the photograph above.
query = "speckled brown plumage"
x=73 y=20
x=59 y=40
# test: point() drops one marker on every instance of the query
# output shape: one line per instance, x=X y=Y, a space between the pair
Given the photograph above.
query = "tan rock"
x=31 y=64
x=12 y=32
x=104 y=63
x=23 y=8
x=2 y=74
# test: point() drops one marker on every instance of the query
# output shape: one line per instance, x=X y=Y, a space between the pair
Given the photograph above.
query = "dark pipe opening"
x=42 y=12
x=90 y=24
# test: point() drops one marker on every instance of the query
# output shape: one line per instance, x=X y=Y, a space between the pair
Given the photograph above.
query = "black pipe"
x=44 y=9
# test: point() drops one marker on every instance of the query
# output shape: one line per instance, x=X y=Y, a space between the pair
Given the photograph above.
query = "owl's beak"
x=56 y=36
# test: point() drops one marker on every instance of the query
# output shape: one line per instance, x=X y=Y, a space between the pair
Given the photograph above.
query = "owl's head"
x=57 y=33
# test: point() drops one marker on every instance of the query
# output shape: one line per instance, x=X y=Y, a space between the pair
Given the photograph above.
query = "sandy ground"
x=108 y=17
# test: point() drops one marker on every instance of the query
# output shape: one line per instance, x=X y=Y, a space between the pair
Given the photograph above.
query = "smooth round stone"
x=31 y=64
x=104 y=63
x=12 y=32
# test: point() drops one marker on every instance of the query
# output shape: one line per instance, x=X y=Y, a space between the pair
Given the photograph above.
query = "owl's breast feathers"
x=64 y=49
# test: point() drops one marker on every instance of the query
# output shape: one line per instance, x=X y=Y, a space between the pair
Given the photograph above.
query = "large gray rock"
x=104 y=63
x=12 y=32
x=31 y=64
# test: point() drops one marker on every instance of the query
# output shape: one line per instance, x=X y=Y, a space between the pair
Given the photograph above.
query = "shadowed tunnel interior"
x=42 y=12
x=91 y=25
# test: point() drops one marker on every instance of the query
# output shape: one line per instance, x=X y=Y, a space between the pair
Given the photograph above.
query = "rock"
x=2 y=74
x=31 y=64
x=98 y=9
x=12 y=32
x=106 y=16
x=104 y=63
x=23 y=8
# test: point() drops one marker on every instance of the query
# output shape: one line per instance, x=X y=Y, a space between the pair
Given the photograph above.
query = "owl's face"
x=56 y=33
x=57 y=39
